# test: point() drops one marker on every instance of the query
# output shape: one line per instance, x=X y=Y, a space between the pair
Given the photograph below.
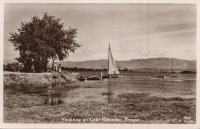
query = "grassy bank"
x=14 y=79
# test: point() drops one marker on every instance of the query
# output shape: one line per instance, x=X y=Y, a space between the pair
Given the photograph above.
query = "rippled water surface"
x=108 y=89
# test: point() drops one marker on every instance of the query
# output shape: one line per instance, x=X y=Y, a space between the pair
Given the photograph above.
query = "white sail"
x=112 y=67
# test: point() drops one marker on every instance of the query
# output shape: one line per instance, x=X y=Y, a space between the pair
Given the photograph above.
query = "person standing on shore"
x=59 y=68
x=55 y=67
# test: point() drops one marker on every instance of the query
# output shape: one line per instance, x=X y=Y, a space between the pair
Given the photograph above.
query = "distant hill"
x=151 y=63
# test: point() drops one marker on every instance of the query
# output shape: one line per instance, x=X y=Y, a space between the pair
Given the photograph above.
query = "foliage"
x=14 y=67
x=41 y=40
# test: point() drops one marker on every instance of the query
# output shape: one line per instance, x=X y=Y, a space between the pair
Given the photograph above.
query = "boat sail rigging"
x=112 y=67
x=173 y=72
x=172 y=65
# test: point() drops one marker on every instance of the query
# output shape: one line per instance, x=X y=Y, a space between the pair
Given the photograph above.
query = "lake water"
x=108 y=89
x=140 y=97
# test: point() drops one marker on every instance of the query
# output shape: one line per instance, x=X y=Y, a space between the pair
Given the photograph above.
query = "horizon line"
x=115 y=60
x=132 y=59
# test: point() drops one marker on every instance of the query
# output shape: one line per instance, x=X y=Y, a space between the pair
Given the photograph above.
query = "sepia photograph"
x=100 y=63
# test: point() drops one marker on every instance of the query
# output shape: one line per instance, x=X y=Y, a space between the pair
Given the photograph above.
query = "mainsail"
x=112 y=67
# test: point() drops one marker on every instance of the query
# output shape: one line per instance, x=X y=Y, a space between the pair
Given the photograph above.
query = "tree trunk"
x=52 y=64
x=45 y=65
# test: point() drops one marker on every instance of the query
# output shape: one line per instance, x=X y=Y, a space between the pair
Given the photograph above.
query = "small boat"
x=161 y=76
x=106 y=76
x=120 y=76
x=173 y=73
x=82 y=78
x=173 y=76
x=93 y=78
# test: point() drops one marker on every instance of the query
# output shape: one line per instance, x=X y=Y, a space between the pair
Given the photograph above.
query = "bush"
x=13 y=67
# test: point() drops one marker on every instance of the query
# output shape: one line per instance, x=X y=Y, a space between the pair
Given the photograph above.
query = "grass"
x=134 y=106
x=173 y=109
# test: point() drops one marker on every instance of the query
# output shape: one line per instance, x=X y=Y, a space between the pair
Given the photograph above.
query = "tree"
x=14 y=67
x=41 y=40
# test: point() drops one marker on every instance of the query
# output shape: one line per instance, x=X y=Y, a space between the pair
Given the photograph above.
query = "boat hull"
x=161 y=76
x=112 y=76
x=82 y=79
x=174 y=76
x=93 y=78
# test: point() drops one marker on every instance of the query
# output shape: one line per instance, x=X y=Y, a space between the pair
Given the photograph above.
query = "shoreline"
x=16 y=79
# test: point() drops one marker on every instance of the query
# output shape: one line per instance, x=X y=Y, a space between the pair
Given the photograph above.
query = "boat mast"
x=172 y=65
x=108 y=58
x=101 y=72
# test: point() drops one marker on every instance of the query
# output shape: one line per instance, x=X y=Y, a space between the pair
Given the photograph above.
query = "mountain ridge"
x=151 y=63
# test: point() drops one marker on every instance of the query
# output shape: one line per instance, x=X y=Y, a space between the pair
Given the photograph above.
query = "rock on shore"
x=20 y=79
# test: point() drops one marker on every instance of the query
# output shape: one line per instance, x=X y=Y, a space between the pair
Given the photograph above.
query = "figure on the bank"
x=55 y=67
x=59 y=68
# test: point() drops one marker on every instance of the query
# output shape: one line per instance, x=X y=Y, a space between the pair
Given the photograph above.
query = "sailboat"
x=113 y=71
x=161 y=76
x=173 y=73
x=173 y=65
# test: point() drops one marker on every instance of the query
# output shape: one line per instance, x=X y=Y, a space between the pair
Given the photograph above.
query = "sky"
x=134 y=31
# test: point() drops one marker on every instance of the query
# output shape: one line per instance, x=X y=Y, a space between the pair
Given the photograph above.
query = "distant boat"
x=113 y=71
x=173 y=75
x=173 y=65
x=161 y=76
x=93 y=78
x=82 y=78
x=90 y=78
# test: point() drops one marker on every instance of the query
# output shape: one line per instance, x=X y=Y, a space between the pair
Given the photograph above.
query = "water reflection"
x=110 y=91
x=54 y=94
